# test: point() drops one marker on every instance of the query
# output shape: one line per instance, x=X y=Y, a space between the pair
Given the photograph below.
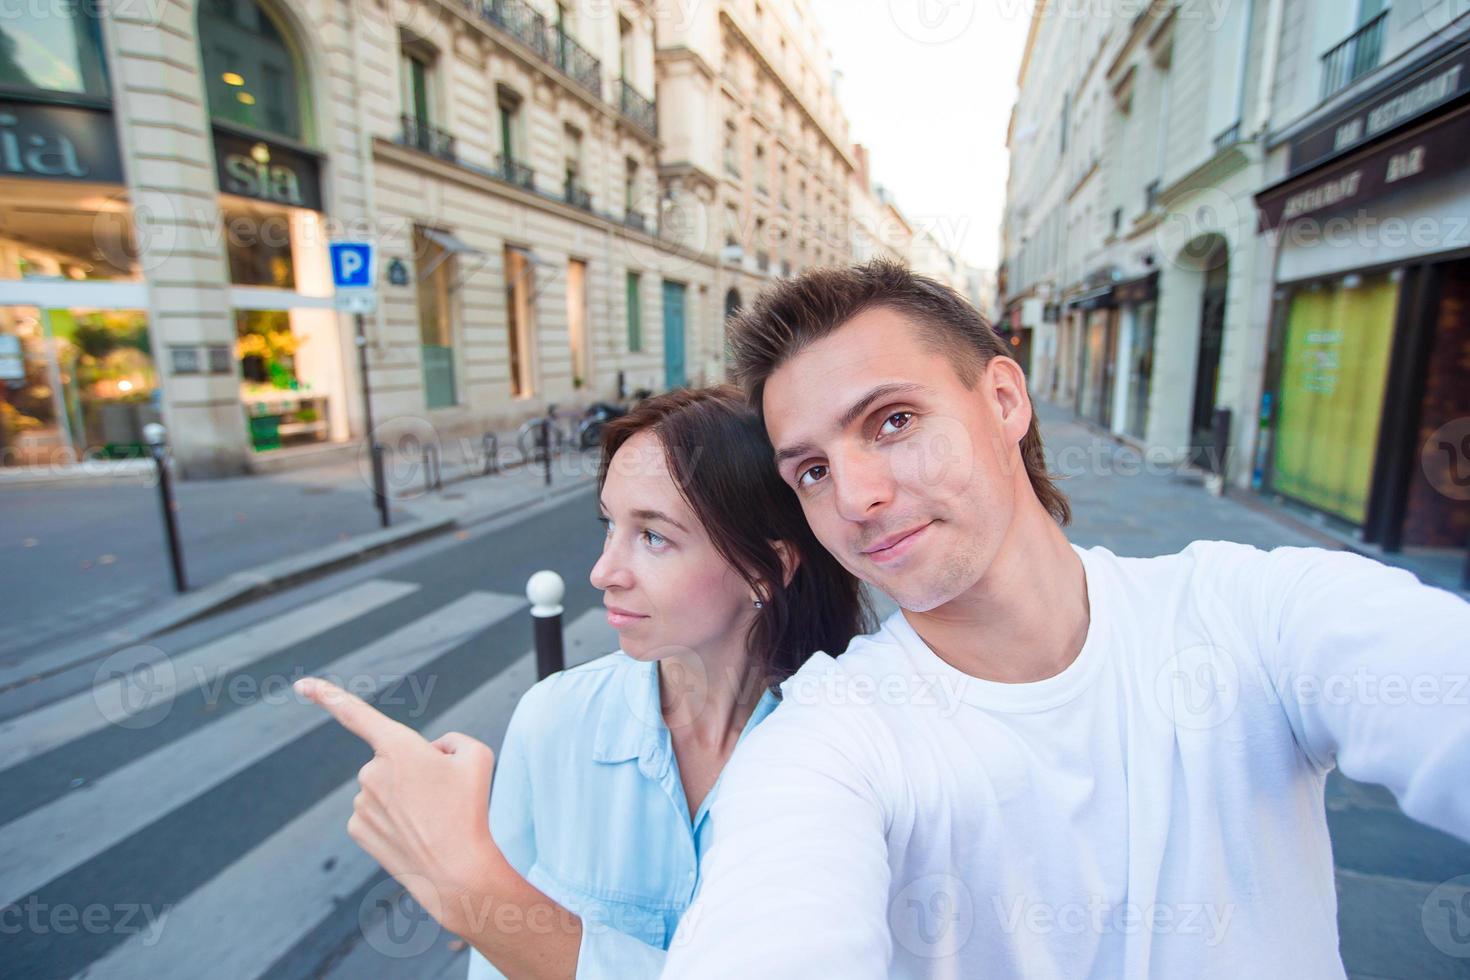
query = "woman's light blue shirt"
x=588 y=805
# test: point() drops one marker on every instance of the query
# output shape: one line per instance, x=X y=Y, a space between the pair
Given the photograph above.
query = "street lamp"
x=156 y=436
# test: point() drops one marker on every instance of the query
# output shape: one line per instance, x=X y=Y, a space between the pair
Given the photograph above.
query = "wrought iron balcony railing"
x=521 y=21
x=513 y=171
x=636 y=108
x=577 y=62
x=421 y=135
x=577 y=196
x=636 y=219
x=1354 y=57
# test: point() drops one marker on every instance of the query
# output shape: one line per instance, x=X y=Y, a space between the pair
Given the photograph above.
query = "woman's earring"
x=759 y=604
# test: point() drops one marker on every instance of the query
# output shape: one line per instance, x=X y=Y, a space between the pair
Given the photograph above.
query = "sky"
x=928 y=86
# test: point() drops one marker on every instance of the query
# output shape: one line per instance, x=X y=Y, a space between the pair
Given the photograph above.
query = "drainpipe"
x=1270 y=55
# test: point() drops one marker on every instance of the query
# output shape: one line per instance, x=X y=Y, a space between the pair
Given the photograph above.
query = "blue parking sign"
x=352 y=265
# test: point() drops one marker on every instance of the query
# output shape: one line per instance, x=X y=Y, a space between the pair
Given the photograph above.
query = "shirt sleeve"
x=1371 y=667
x=511 y=822
x=796 y=881
x=607 y=954
x=511 y=816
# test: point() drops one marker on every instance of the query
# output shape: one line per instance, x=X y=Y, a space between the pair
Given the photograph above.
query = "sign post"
x=354 y=278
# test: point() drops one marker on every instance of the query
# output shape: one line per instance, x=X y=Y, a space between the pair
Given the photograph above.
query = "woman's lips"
x=619 y=618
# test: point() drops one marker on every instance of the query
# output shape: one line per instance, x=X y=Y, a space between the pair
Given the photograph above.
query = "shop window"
x=518 y=293
x=253 y=74
x=635 y=313
x=436 y=276
x=78 y=384
x=577 y=320
x=258 y=244
x=54 y=47
x=1334 y=365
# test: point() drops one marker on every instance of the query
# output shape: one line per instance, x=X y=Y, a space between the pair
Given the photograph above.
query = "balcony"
x=422 y=136
x=577 y=62
x=1151 y=195
x=512 y=171
x=1354 y=57
x=635 y=219
x=576 y=195
x=636 y=108
x=1227 y=137
x=521 y=21
x=550 y=42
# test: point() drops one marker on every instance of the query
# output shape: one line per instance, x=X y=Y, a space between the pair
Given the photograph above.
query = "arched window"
x=253 y=72
x=57 y=48
x=732 y=303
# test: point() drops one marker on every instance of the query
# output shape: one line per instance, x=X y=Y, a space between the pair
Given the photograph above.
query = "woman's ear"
x=789 y=561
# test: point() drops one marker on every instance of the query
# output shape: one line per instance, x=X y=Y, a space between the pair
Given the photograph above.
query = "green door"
x=673 y=334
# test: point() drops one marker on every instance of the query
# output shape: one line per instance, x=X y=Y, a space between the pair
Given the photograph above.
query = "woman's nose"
x=610 y=571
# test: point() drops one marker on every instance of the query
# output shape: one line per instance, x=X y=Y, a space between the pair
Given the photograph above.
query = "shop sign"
x=267 y=171
x=59 y=142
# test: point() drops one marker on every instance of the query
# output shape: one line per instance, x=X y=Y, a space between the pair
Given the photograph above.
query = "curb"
x=245 y=586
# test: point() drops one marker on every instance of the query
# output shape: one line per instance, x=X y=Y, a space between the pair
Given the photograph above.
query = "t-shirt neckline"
x=1029 y=696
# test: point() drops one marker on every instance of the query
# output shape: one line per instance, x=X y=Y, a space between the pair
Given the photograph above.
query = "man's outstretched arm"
x=1373 y=668
x=796 y=881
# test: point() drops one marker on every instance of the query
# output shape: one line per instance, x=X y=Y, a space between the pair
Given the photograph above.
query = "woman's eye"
x=810 y=475
x=904 y=417
x=654 y=539
x=606 y=523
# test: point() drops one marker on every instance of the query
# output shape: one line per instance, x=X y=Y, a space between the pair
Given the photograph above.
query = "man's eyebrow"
x=655 y=515
x=854 y=412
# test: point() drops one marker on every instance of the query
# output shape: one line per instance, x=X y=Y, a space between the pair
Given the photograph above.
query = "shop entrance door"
x=1207 y=369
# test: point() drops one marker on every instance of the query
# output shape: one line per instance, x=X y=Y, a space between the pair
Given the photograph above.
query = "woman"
x=718 y=591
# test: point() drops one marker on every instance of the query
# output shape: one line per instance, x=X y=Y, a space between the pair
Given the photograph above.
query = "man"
x=1052 y=762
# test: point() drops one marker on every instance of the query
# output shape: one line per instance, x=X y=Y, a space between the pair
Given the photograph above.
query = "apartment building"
x=566 y=198
x=1255 y=208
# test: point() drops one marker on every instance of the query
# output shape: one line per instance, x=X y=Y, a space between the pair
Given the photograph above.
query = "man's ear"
x=789 y=561
x=1008 y=385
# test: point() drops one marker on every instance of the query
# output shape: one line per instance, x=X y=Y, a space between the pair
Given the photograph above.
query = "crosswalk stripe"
x=241 y=920
x=53 y=839
x=110 y=702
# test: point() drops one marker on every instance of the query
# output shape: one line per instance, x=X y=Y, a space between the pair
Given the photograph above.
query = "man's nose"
x=863 y=483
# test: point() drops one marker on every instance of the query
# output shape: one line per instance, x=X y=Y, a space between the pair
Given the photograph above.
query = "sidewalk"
x=84 y=567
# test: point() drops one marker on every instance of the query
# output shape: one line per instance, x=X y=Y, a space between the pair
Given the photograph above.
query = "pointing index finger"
x=354 y=714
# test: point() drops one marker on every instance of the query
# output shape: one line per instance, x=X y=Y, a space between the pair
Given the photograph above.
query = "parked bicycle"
x=568 y=428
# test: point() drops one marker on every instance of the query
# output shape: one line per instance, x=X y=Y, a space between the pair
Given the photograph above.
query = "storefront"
x=1096 y=313
x=289 y=345
x=1368 y=377
x=1137 y=313
x=77 y=377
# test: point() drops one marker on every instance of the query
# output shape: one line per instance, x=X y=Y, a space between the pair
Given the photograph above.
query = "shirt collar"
x=631 y=725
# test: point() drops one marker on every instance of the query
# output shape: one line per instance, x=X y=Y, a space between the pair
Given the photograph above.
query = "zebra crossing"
x=289 y=890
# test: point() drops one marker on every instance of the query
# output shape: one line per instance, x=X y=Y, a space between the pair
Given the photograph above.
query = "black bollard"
x=155 y=435
x=546 y=590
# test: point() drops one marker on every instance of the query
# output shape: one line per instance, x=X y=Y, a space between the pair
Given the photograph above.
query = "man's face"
x=906 y=476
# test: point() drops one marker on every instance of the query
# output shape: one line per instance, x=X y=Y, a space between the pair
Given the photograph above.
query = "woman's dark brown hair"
x=718 y=454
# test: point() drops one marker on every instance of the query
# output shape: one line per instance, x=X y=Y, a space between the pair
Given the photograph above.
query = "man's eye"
x=904 y=417
x=814 y=472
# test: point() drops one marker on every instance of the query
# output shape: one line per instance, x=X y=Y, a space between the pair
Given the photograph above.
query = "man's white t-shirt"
x=1154 y=810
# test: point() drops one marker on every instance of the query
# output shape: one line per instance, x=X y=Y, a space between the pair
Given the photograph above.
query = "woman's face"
x=666 y=589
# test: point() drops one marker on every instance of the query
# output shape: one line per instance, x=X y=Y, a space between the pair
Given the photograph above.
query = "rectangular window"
x=635 y=313
x=1333 y=371
x=577 y=320
x=510 y=105
x=435 y=268
x=518 y=273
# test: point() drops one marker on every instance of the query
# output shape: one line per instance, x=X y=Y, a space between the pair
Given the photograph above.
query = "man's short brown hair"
x=796 y=312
